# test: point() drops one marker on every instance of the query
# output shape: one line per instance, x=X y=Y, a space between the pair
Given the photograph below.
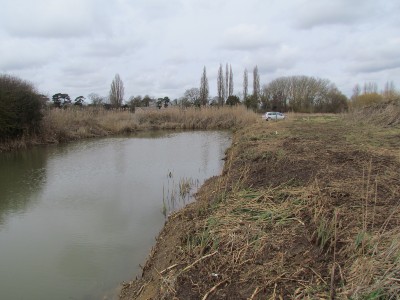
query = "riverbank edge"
x=193 y=257
x=163 y=255
x=61 y=126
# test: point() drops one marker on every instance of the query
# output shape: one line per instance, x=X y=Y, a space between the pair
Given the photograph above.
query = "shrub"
x=232 y=100
x=20 y=108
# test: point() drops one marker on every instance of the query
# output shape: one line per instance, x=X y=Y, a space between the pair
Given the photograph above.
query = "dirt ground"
x=306 y=208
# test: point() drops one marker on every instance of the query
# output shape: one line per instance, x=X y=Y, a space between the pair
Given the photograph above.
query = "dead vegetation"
x=385 y=114
x=59 y=125
x=308 y=208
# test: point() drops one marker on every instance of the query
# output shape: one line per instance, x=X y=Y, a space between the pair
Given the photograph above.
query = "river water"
x=78 y=219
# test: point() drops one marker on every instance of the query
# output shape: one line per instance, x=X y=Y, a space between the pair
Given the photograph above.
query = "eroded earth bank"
x=305 y=208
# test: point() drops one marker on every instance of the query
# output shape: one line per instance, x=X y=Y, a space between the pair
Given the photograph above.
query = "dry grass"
x=77 y=123
x=63 y=125
x=300 y=212
x=383 y=114
x=198 y=118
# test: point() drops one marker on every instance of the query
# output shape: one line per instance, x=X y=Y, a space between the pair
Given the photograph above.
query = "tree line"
x=290 y=93
x=21 y=105
x=294 y=93
x=115 y=99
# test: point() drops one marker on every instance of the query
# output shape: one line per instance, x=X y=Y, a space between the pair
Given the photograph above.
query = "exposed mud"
x=302 y=210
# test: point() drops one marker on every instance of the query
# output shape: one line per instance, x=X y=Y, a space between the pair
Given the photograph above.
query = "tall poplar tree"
x=226 y=81
x=256 y=84
x=221 y=86
x=117 y=91
x=230 y=92
x=245 y=84
x=204 y=88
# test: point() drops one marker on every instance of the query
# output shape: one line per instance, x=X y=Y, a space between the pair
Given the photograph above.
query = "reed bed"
x=61 y=125
x=198 y=118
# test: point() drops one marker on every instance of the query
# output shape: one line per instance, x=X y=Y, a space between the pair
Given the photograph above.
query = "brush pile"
x=384 y=114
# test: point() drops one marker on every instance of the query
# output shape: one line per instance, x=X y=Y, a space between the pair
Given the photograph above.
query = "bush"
x=20 y=108
x=232 y=100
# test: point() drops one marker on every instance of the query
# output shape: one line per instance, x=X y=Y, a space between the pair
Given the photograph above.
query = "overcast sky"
x=159 y=47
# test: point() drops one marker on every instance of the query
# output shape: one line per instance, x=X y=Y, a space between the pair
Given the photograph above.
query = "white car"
x=273 y=116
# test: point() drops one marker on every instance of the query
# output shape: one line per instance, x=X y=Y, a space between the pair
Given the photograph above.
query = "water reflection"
x=97 y=207
x=22 y=175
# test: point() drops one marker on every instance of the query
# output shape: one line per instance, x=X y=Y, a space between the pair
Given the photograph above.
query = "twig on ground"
x=197 y=261
x=213 y=289
x=254 y=293
x=169 y=268
x=319 y=276
x=141 y=289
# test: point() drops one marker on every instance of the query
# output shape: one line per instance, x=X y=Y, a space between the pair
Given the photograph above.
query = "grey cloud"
x=177 y=57
x=246 y=37
x=156 y=9
x=376 y=57
x=375 y=65
x=16 y=63
x=88 y=83
x=17 y=54
x=282 y=57
x=81 y=69
x=160 y=47
x=47 y=19
x=112 y=47
x=313 y=13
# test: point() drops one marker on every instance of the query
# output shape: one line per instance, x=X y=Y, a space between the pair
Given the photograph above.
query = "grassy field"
x=60 y=125
x=306 y=208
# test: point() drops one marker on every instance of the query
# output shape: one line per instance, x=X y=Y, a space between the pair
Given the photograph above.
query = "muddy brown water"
x=78 y=219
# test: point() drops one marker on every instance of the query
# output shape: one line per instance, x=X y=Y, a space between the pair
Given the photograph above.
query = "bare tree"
x=204 y=88
x=256 y=84
x=96 y=99
x=245 y=84
x=303 y=94
x=356 y=92
x=230 y=92
x=116 y=91
x=190 y=97
x=370 y=88
x=221 y=86
x=226 y=81
x=389 y=90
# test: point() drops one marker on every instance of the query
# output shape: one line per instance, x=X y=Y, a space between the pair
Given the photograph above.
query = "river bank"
x=63 y=125
x=304 y=208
